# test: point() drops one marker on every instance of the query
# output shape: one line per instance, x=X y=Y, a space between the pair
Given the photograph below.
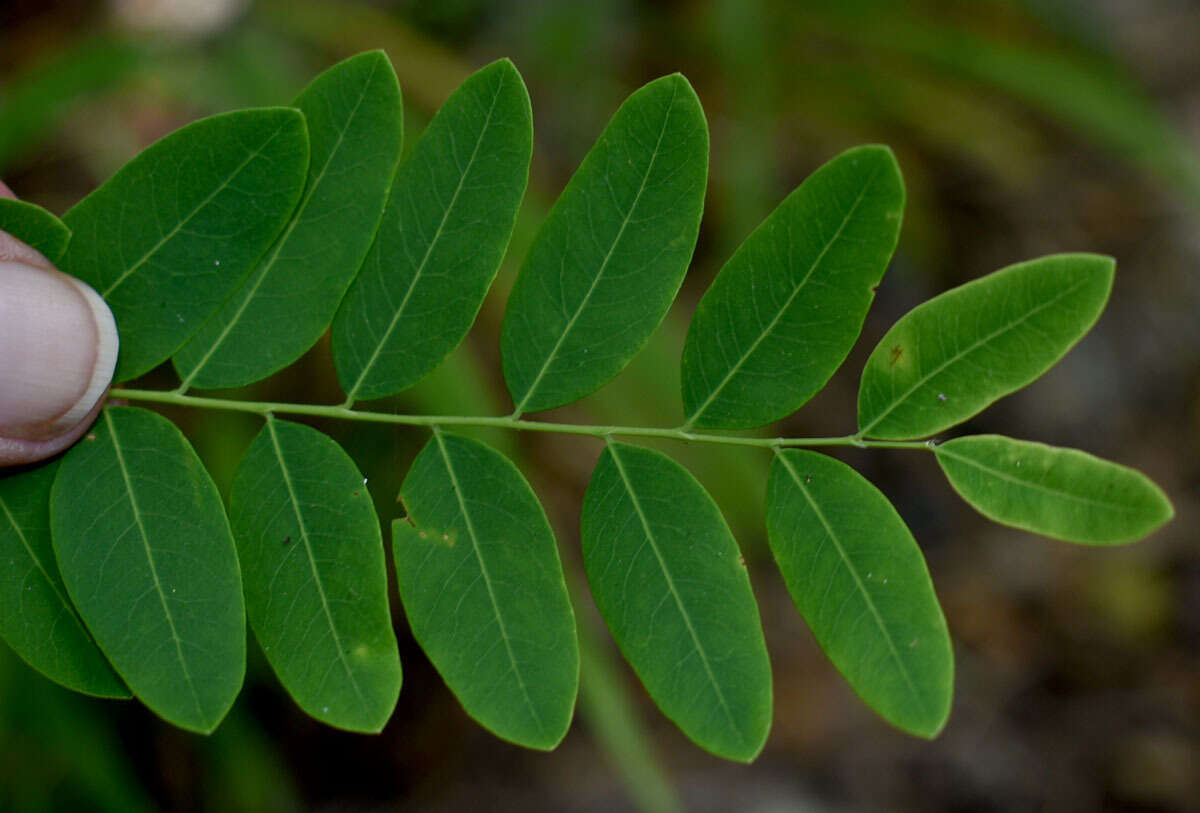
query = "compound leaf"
x=858 y=578
x=484 y=592
x=36 y=618
x=1061 y=493
x=145 y=552
x=609 y=258
x=172 y=233
x=448 y=221
x=34 y=226
x=355 y=126
x=785 y=310
x=668 y=579
x=315 y=575
x=946 y=360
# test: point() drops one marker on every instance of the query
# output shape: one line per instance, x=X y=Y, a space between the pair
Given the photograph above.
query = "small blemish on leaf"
x=942 y=397
x=897 y=353
x=90 y=436
x=287 y=540
x=742 y=560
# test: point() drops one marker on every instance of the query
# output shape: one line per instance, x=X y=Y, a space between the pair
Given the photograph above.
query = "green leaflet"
x=668 y=579
x=36 y=618
x=34 y=226
x=785 y=310
x=147 y=558
x=355 y=126
x=1062 y=493
x=448 y=220
x=169 y=236
x=484 y=592
x=315 y=576
x=858 y=578
x=947 y=359
x=609 y=258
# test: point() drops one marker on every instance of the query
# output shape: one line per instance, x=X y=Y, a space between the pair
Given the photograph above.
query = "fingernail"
x=58 y=349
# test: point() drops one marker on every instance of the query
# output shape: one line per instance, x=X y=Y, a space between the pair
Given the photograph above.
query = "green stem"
x=341 y=412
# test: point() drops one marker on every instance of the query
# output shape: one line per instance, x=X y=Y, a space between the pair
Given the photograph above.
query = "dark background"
x=1022 y=129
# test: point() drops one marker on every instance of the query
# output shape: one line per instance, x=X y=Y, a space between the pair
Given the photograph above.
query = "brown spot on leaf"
x=897 y=352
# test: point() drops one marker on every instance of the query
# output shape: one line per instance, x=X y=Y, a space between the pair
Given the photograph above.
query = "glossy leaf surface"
x=1062 y=493
x=145 y=552
x=484 y=592
x=355 y=127
x=35 y=227
x=446 y=227
x=315 y=575
x=669 y=581
x=172 y=233
x=946 y=360
x=860 y=581
x=609 y=258
x=785 y=310
x=36 y=618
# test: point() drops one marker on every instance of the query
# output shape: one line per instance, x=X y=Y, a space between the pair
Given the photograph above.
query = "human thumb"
x=58 y=350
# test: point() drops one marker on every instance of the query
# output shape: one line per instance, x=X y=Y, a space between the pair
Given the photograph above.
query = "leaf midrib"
x=12 y=520
x=783 y=309
x=583 y=303
x=487 y=579
x=269 y=263
x=1017 y=481
x=312 y=564
x=185 y=220
x=970 y=349
x=687 y=619
x=162 y=596
x=437 y=235
x=858 y=582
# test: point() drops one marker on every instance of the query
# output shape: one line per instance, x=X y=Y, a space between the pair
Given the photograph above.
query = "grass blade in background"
x=168 y=237
x=355 y=126
x=147 y=557
x=609 y=258
x=1062 y=493
x=35 y=227
x=667 y=576
x=949 y=358
x=785 y=310
x=315 y=576
x=484 y=592
x=34 y=102
x=1092 y=93
x=858 y=578
x=444 y=232
x=36 y=618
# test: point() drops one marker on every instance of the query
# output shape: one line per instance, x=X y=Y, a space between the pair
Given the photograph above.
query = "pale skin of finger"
x=17 y=451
